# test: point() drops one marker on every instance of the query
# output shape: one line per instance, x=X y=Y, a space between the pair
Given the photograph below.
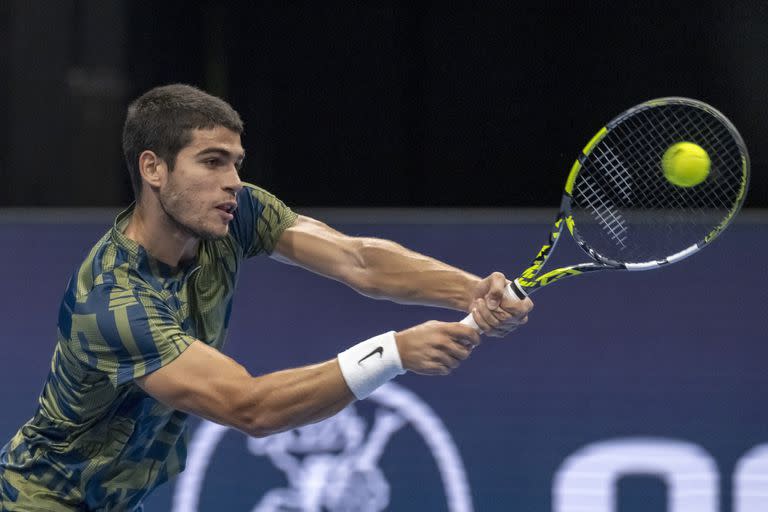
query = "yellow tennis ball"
x=685 y=164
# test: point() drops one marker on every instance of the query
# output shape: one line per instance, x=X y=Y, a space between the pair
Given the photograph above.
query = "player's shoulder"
x=253 y=197
x=108 y=266
x=256 y=190
x=260 y=219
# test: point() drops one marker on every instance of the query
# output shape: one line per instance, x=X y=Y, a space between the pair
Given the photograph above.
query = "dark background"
x=368 y=103
x=414 y=104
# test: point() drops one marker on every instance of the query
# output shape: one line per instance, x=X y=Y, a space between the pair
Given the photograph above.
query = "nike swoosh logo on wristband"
x=377 y=350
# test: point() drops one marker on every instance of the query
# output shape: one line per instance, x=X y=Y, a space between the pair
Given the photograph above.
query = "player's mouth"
x=228 y=210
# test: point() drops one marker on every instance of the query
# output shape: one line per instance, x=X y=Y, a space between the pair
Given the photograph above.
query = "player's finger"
x=480 y=321
x=443 y=358
x=507 y=327
x=463 y=334
x=468 y=336
x=459 y=350
x=517 y=308
x=496 y=292
x=491 y=318
x=500 y=314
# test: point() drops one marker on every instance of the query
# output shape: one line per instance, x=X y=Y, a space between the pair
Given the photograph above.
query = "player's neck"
x=160 y=236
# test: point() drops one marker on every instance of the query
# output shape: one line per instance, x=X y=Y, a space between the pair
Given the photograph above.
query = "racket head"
x=620 y=208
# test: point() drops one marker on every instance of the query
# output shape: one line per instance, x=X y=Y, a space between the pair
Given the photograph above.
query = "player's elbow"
x=369 y=272
x=356 y=270
x=262 y=424
x=252 y=414
x=256 y=428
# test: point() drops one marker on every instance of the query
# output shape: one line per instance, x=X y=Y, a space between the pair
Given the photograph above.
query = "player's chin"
x=213 y=233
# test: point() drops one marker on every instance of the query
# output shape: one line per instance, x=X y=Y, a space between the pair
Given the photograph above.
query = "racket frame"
x=530 y=280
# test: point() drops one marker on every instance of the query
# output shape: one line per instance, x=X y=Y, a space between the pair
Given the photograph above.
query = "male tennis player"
x=145 y=315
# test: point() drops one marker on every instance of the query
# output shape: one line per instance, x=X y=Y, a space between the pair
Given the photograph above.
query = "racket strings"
x=624 y=207
x=605 y=213
x=658 y=192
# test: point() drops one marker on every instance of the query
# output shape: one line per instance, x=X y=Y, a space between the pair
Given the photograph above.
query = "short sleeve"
x=259 y=221
x=126 y=333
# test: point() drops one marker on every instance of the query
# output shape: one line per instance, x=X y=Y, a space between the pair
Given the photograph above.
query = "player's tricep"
x=201 y=381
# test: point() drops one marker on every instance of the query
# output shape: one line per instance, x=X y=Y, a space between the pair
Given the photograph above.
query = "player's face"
x=199 y=195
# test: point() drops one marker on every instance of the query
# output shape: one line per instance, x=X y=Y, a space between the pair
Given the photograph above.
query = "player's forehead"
x=219 y=137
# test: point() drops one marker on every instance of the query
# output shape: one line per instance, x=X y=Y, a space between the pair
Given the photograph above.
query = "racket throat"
x=528 y=286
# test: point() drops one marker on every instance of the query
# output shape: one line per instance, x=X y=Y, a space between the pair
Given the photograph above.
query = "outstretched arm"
x=205 y=382
x=386 y=270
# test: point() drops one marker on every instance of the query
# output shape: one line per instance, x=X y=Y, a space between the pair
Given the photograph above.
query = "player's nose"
x=233 y=183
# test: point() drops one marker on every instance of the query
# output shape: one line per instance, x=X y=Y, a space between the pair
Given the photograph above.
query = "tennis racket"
x=620 y=208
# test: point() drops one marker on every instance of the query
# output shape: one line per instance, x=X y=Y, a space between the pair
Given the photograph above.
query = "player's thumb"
x=493 y=299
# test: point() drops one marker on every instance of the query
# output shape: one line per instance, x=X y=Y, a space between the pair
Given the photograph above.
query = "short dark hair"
x=162 y=120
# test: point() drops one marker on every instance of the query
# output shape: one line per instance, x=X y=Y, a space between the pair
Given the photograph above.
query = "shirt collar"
x=142 y=261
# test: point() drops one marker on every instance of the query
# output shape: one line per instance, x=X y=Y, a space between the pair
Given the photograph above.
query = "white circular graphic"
x=332 y=466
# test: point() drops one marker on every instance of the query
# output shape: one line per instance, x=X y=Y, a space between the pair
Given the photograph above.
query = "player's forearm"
x=374 y=267
x=290 y=398
x=207 y=383
x=390 y=271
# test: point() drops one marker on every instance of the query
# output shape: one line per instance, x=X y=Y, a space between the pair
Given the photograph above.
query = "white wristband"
x=371 y=363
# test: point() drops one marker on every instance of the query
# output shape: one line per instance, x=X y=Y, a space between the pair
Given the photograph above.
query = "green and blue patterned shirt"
x=98 y=442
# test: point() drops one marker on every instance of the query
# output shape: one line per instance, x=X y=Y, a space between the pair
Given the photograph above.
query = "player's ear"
x=152 y=168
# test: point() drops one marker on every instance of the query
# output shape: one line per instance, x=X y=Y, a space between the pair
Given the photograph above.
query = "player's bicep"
x=204 y=382
x=319 y=248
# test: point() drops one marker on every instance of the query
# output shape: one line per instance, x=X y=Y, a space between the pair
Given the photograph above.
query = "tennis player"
x=145 y=316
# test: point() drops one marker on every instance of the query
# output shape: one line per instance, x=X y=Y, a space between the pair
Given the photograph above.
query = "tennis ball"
x=685 y=164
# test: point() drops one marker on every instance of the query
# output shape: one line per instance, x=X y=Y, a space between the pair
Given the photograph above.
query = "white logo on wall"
x=587 y=479
x=333 y=465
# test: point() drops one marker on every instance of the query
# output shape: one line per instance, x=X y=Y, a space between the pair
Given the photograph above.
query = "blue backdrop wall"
x=618 y=386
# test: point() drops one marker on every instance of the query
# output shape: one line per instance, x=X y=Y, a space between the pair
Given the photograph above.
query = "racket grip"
x=513 y=290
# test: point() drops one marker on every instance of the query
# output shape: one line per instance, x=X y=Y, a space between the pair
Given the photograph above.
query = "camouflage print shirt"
x=97 y=441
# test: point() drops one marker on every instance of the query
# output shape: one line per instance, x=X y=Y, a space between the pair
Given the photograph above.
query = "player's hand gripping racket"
x=621 y=202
